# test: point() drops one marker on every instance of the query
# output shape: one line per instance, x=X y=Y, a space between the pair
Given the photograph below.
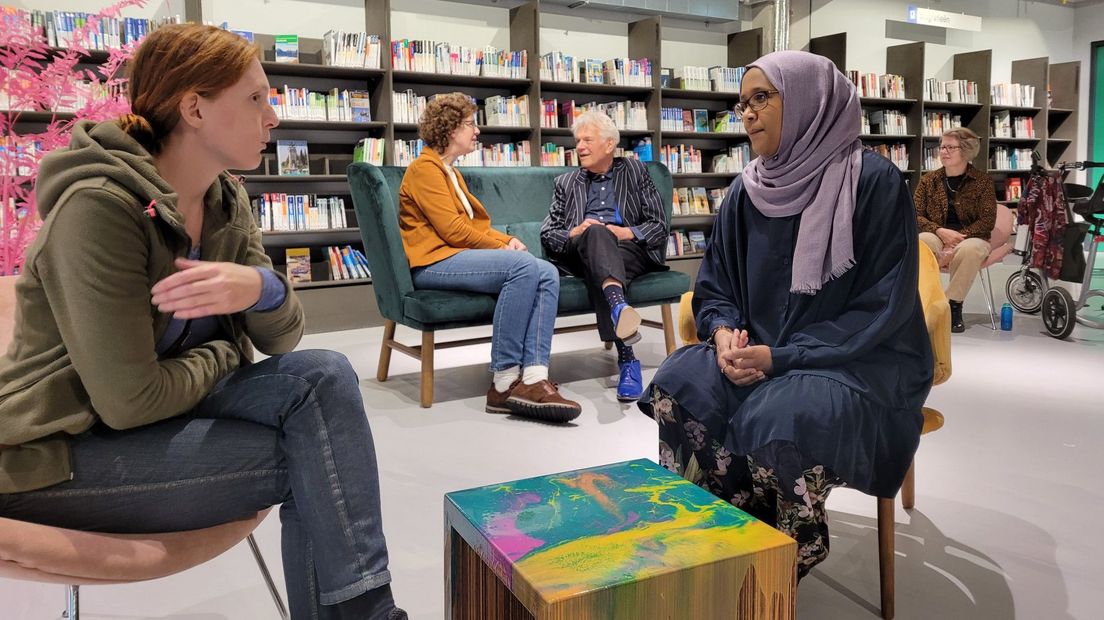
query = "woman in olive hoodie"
x=129 y=401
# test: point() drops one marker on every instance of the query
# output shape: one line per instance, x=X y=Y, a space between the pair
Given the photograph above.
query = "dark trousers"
x=597 y=255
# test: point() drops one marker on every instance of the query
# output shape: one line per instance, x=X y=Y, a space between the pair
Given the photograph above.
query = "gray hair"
x=605 y=125
x=967 y=140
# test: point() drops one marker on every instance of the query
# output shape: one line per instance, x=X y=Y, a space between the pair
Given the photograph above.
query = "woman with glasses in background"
x=956 y=209
x=450 y=245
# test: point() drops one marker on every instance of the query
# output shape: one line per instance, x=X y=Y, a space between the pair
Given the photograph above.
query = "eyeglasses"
x=468 y=123
x=947 y=148
x=757 y=102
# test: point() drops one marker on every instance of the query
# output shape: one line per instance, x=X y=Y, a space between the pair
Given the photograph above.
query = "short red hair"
x=173 y=61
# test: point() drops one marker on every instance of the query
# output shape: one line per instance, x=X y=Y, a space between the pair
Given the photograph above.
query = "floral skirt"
x=776 y=484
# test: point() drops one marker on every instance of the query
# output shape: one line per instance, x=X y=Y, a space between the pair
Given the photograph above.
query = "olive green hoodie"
x=85 y=330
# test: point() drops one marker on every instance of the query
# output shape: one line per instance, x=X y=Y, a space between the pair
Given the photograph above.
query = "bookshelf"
x=1062 y=117
x=906 y=60
x=742 y=49
x=331 y=143
x=976 y=67
x=1054 y=118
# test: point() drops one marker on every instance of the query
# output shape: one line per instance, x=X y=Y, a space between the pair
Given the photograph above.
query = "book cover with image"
x=292 y=157
x=298 y=264
x=701 y=121
x=287 y=48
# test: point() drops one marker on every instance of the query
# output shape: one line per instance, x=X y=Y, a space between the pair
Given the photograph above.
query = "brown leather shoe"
x=542 y=401
x=496 y=401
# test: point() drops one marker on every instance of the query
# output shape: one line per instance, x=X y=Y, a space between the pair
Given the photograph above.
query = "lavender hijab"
x=816 y=170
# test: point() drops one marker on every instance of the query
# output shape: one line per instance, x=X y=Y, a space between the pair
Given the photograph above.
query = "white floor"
x=1009 y=499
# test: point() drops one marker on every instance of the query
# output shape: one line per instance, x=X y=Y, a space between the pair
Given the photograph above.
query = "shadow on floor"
x=936 y=576
x=472 y=380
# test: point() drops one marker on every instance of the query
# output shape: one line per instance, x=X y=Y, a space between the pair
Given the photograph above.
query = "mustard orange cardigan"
x=433 y=222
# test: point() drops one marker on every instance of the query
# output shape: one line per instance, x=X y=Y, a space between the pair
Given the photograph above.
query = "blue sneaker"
x=626 y=323
x=631 y=385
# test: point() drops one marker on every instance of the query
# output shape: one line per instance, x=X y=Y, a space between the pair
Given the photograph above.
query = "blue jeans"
x=528 y=291
x=289 y=430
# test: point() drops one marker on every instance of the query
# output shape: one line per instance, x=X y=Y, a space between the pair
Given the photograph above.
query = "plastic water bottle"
x=1006 y=317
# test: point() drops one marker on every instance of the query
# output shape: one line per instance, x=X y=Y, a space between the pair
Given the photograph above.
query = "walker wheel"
x=1024 y=290
x=1059 y=315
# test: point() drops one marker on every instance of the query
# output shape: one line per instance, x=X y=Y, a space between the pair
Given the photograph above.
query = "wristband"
x=713 y=334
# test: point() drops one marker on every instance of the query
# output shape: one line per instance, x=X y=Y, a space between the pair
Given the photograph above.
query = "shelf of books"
x=678 y=221
x=1014 y=120
x=281 y=68
x=357 y=96
x=292 y=238
x=685 y=242
x=570 y=88
x=706 y=95
x=326 y=266
x=702 y=141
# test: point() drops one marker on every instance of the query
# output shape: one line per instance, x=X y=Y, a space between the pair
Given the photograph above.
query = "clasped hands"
x=741 y=364
x=207 y=288
x=950 y=238
x=621 y=232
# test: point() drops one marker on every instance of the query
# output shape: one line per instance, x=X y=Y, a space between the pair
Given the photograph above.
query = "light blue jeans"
x=288 y=431
x=528 y=291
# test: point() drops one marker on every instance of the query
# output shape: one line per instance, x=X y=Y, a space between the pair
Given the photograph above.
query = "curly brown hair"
x=444 y=115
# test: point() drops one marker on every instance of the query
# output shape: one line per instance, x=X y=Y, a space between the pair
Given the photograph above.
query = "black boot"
x=957 y=326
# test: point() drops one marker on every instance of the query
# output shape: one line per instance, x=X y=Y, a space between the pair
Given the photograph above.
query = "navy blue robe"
x=852 y=364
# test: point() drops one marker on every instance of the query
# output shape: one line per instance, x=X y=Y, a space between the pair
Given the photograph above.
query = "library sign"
x=943 y=19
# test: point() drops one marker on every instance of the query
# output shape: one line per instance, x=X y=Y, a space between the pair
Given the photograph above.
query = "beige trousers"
x=965 y=264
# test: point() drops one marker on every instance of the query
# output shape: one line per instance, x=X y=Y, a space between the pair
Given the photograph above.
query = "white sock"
x=534 y=374
x=503 y=379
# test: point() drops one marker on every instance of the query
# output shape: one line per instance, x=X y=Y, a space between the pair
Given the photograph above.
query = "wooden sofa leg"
x=908 y=489
x=609 y=345
x=668 y=328
x=427 y=369
x=385 y=351
x=885 y=554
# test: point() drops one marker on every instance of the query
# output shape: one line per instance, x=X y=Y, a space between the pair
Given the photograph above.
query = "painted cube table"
x=625 y=541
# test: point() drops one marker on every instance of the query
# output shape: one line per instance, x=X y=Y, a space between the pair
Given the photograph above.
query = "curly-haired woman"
x=450 y=244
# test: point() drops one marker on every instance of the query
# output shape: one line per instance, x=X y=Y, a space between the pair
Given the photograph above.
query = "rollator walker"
x=1030 y=292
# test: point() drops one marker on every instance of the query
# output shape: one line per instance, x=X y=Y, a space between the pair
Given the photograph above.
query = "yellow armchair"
x=937 y=314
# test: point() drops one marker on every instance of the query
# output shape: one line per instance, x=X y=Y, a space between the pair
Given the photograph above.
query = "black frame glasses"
x=757 y=102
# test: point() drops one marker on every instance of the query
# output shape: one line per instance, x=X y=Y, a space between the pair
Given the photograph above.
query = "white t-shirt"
x=460 y=192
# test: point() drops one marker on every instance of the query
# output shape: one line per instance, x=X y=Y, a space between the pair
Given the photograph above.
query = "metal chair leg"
x=276 y=598
x=72 y=603
x=987 y=288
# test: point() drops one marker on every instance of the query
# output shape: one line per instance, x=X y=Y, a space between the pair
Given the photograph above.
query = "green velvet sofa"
x=517 y=200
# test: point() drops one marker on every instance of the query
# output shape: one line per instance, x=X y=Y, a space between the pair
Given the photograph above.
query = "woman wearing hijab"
x=817 y=360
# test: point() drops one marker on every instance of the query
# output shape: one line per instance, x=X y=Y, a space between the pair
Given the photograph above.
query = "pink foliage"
x=41 y=79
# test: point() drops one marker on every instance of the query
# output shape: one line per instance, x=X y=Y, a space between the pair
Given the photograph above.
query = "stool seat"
x=623 y=541
x=33 y=552
x=933 y=420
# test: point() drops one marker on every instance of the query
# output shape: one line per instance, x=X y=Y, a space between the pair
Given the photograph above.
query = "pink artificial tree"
x=36 y=77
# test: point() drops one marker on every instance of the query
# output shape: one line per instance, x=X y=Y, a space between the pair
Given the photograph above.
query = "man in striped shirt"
x=607 y=225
